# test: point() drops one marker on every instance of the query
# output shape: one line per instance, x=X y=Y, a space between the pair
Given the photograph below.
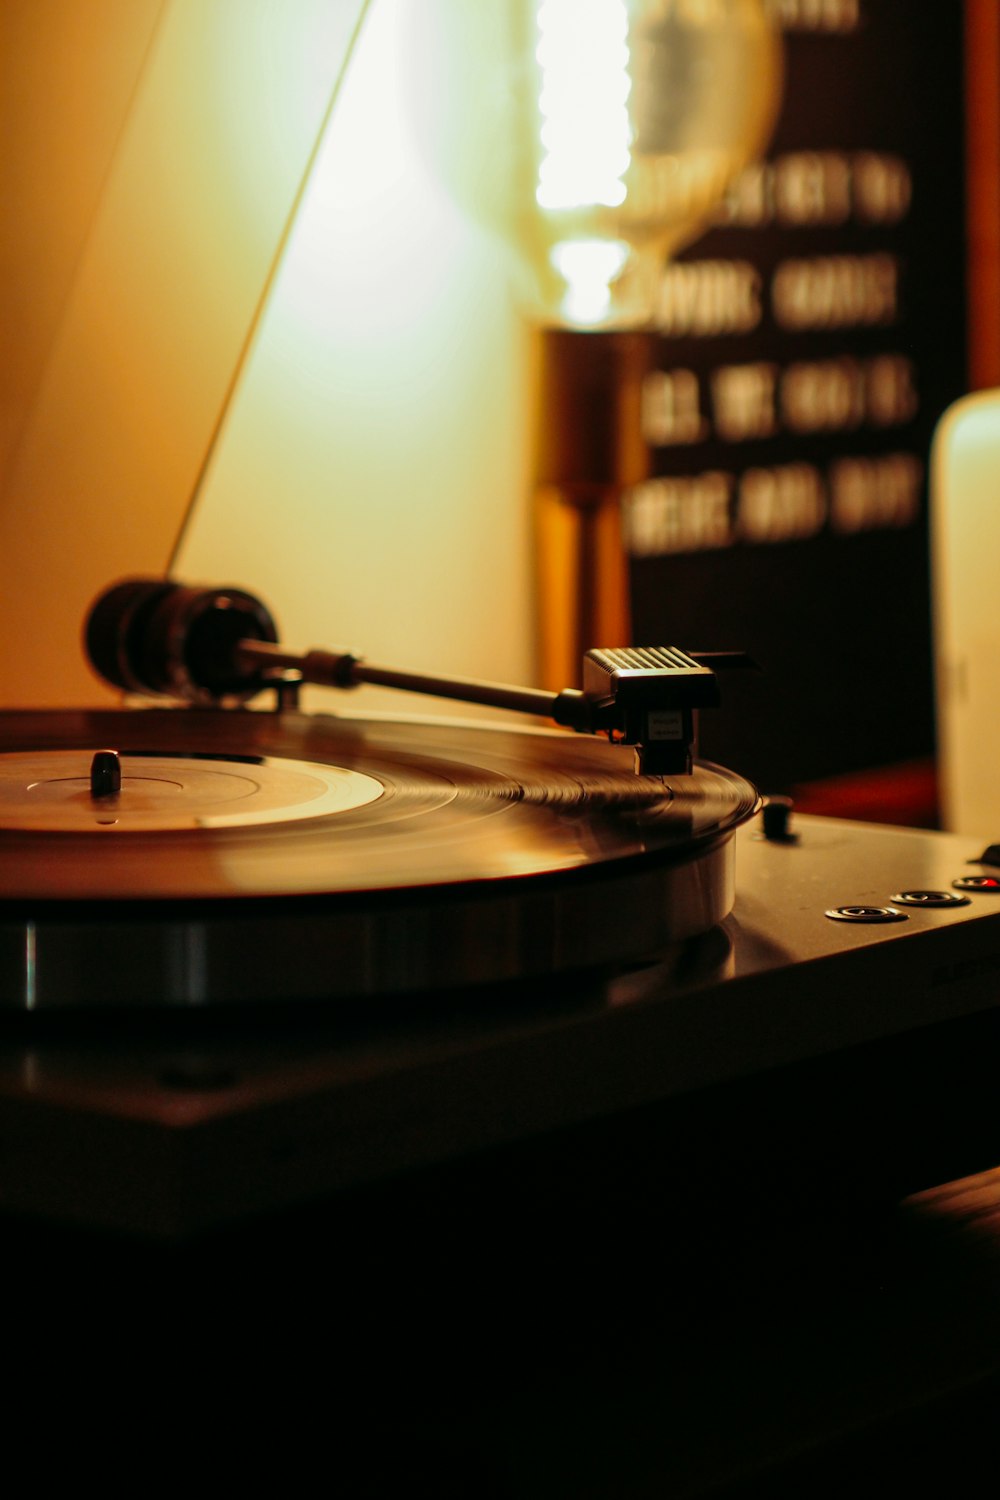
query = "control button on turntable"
x=929 y=898
x=776 y=820
x=861 y=913
x=988 y=884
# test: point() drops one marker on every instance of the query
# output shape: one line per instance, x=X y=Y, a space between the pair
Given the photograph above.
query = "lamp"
x=634 y=116
x=597 y=136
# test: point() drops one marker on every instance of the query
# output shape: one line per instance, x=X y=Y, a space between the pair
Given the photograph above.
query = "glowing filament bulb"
x=588 y=268
x=586 y=134
x=597 y=136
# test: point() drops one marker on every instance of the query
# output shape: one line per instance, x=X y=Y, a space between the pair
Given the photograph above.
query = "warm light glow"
x=588 y=267
x=583 y=58
x=638 y=114
x=372 y=478
x=150 y=181
x=561 y=122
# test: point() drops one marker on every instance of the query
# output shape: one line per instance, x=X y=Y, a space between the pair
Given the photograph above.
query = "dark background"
x=840 y=624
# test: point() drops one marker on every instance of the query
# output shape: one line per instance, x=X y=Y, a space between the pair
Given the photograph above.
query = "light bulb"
x=597 y=135
x=637 y=116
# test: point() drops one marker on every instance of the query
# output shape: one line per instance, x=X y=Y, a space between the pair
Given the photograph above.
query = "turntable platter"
x=259 y=856
x=50 y=791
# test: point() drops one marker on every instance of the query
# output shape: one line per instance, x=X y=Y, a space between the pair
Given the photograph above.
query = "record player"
x=545 y=1052
x=526 y=1087
x=252 y=957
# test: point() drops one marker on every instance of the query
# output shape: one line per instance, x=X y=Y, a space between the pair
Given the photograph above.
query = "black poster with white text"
x=809 y=342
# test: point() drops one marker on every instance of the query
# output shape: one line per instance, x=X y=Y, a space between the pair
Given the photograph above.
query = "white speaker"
x=965 y=565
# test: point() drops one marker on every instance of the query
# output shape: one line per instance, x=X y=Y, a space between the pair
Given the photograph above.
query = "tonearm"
x=214 y=646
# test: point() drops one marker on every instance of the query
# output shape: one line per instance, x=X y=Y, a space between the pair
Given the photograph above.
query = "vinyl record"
x=259 y=857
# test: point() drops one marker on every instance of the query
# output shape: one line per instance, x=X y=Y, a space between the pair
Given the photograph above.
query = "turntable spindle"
x=105 y=774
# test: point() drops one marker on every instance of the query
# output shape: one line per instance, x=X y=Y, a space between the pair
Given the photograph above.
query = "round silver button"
x=929 y=898
x=866 y=914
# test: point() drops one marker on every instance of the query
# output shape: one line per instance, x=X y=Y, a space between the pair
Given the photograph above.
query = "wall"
x=68 y=80
x=372 y=479
x=387 y=465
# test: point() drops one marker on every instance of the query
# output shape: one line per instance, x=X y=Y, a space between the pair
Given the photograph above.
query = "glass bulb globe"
x=597 y=135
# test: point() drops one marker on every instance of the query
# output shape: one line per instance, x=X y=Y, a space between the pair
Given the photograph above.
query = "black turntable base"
x=290 y=953
x=609 y=1151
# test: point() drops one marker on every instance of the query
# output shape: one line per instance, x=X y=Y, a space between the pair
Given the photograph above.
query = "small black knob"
x=105 y=774
x=777 y=815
